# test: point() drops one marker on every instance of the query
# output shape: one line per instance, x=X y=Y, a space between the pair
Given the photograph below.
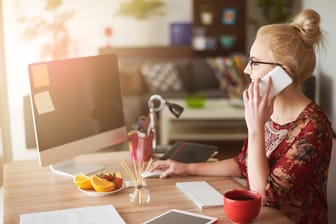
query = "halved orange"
x=101 y=185
x=82 y=181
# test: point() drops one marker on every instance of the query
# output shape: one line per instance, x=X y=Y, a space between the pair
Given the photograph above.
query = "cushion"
x=229 y=72
x=203 y=76
x=184 y=70
x=131 y=80
x=161 y=77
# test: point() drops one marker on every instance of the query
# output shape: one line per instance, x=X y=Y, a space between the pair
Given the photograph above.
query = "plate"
x=101 y=194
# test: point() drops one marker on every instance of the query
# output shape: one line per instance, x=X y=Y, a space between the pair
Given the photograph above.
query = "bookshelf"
x=219 y=27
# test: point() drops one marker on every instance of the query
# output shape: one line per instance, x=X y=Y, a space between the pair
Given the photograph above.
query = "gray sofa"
x=173 y=78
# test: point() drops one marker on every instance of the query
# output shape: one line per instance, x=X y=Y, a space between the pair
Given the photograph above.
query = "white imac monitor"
x=77 y=109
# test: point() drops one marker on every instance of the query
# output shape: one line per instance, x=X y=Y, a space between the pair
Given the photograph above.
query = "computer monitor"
x=77 y=109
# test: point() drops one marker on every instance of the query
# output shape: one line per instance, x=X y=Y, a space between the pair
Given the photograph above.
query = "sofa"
x=176 y=76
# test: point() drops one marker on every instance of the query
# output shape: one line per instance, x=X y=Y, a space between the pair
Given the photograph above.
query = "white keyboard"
x=201 y=193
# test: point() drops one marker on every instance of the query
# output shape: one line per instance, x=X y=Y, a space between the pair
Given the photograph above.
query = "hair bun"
x=307 y=22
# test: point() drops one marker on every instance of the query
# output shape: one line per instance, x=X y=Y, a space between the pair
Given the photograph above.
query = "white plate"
x=101 y=194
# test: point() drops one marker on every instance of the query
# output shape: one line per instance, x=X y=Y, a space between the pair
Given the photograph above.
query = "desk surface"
x=30 y=188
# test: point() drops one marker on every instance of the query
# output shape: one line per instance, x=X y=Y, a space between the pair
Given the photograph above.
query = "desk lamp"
x=156 y=104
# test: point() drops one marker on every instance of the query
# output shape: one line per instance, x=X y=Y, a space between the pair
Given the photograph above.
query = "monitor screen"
x=77 y=107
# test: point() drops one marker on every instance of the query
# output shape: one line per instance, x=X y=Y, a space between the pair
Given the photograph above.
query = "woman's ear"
x=287 y=69
x=290 y=73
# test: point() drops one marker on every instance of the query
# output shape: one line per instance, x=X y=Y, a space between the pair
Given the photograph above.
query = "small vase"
x=140 y=195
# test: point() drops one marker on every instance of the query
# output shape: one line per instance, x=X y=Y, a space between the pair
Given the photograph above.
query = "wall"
x=326 y=61
x=87 y=36
x=4 y=114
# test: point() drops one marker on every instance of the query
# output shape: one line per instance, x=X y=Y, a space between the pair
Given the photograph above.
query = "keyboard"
x=201 y=193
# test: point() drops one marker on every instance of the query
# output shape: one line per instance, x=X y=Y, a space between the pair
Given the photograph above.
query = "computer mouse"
x=153 y=173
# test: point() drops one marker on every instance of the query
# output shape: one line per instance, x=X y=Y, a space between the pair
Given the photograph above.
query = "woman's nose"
x=247 y=69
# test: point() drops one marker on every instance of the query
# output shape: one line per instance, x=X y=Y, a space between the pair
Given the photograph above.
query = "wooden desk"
x=30 y=188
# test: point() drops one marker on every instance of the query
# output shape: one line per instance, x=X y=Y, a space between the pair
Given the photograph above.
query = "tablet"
x=181 y=217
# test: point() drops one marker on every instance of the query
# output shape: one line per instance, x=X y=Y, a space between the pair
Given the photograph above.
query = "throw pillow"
x=229 y=72
x=161 y=77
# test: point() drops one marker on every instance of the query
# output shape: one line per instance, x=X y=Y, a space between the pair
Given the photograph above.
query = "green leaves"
x=276 y=11
x=141 y=9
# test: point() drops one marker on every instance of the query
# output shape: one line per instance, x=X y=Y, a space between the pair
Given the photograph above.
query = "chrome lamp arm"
x=156 y=104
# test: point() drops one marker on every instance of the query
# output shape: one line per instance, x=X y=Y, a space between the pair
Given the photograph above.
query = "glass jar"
x=139 y=196
x=199 y=38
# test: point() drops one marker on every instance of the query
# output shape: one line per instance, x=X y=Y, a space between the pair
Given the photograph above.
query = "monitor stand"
x=71 y=168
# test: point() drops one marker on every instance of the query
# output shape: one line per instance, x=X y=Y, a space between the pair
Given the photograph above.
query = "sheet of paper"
x=43 y=102
x=105 y=214
x=40 y=75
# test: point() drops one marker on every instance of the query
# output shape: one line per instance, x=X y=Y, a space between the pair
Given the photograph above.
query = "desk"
x=218 y=120
x=30 y=188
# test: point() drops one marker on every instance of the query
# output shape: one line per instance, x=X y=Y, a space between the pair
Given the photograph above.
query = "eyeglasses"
x=252 y=62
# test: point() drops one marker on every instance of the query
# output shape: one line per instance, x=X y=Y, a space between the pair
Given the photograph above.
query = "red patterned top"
x=298 y=155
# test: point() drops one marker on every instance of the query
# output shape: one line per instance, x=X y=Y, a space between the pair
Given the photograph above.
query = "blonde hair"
x=294 y=44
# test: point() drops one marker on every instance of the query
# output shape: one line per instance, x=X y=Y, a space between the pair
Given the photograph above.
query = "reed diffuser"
x=140 y=195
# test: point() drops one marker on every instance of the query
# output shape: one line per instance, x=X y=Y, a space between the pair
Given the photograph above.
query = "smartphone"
x=280 y=80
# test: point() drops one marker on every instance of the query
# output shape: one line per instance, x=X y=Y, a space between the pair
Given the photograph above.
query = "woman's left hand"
x=258 y=109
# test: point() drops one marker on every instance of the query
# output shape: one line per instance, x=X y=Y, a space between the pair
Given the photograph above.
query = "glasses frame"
x=251 y=62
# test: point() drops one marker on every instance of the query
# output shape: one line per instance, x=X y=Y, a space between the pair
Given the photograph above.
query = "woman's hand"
x=258 y=109
x=170 y=167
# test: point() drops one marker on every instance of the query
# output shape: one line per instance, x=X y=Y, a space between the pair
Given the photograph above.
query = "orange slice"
x=82 y=181
x=101 y=185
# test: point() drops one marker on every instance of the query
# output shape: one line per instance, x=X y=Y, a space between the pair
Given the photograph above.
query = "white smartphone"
x=280 y=80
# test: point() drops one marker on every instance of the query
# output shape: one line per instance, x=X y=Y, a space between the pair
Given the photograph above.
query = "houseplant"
x=141 y=9
x=274 y=11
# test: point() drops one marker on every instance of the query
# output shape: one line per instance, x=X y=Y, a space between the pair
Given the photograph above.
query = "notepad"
x=105 y=214
x=201 y=193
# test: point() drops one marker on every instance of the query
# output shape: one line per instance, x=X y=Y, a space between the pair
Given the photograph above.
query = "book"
x=189 y=152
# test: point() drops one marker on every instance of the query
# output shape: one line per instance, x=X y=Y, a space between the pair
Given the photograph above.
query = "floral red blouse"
x=298 y=155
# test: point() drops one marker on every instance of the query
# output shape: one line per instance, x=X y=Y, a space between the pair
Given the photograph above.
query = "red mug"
x=242 y=206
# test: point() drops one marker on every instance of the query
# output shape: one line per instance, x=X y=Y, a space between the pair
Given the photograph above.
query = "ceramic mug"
x=241 y=205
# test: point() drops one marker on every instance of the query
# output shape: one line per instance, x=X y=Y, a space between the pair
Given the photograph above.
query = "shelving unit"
x=214 y=19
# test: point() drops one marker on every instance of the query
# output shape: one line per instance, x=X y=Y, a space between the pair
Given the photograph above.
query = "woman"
x=287 y=153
